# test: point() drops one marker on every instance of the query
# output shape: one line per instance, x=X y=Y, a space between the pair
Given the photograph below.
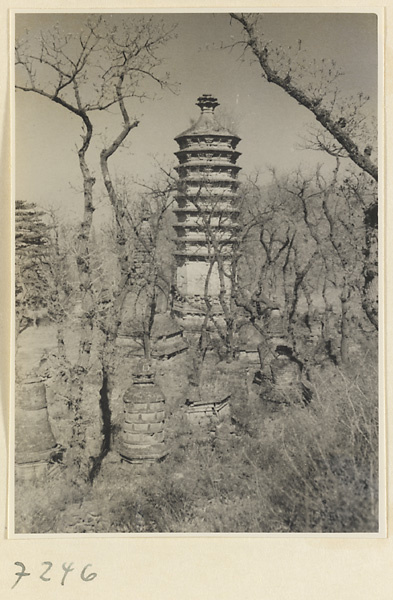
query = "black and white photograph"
x=196 y=317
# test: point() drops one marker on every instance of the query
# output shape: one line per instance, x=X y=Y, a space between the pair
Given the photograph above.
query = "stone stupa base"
x=33 y=471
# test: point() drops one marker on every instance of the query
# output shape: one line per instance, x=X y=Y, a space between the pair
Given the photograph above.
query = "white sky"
x=268 y=121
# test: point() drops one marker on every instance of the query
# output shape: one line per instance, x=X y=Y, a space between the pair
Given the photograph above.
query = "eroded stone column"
x=34 y=440
x=143 y=436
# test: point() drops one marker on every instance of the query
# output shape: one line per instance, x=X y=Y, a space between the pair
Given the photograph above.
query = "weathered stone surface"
x=143 y=436
x=143 y=427
x=136 y=438
x=144 y=419
x=31 y=395
x=206 y=412
x=34 y=440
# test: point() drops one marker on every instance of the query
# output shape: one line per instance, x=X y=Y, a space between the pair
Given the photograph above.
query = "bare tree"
x=99 y=68
x=312 y=238
x=222 y=244
x=315 y=88
x=149 y=224
x=345 y=129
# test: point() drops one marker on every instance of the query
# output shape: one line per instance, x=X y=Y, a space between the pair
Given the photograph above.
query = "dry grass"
x=293 y=469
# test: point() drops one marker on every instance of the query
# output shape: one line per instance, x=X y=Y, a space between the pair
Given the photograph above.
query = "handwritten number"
x=67 y=569
x=20 y=574
x=89 y=577
x=47 y=562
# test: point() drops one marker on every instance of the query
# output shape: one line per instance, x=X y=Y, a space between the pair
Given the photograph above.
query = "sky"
x=270 y=123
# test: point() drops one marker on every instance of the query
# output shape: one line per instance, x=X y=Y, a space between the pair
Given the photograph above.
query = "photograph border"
x=233 y=543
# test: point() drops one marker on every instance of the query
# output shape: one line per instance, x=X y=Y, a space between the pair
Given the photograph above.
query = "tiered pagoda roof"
x=207 y=183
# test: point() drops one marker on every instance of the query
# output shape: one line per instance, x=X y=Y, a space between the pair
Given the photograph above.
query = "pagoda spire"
x=207 y=103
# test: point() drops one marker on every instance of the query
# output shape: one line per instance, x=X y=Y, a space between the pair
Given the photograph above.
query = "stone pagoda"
x=207 y=211
x=165 y=335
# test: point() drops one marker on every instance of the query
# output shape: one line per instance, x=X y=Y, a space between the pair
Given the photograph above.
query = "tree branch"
x=335 y=128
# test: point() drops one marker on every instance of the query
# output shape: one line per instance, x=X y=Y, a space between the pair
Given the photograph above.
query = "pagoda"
x=164 y=336
x=207 y=212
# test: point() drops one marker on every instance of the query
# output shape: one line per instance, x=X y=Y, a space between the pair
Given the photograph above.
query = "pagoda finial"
x=207 y=103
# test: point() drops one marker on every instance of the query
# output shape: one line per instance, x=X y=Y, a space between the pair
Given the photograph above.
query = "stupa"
x=165 y=334
x=207 y=212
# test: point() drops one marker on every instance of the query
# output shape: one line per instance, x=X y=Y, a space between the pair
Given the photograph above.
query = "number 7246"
x=67 y=568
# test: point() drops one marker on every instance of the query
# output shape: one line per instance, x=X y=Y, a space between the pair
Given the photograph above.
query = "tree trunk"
x=79 y=460
x=345 y=326
x=370 y=270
